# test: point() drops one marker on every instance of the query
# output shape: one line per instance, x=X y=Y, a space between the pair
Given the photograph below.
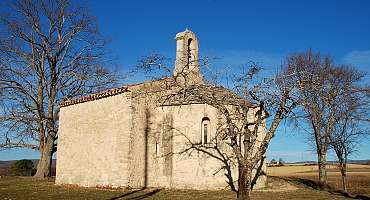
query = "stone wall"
x=93 y=142
x=129 y=141
x=169 y=130
x=192 y=169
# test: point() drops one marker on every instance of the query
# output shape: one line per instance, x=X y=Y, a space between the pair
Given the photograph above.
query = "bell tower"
x=187 y=64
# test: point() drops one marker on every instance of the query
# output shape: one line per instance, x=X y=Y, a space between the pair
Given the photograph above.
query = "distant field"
x=293 y=169
x=358 y=176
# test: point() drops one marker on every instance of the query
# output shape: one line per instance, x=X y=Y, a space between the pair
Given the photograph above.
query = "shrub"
x=22 y=168
x=281 y=162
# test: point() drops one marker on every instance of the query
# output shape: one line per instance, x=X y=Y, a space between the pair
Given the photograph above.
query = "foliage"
x=281 y=162
x=22 y=168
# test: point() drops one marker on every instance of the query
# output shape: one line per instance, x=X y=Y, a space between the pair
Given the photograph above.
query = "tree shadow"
x=126 y=194
x=259 y=172
x=315 y=185
x=301 y=181
x=346 y=194
x=363 y=197
x=141 y=196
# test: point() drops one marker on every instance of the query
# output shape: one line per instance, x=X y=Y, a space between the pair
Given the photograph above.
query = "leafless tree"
x=322 y=88
x=350 y=121
x=49 y=51
x=344 y=142
x=250 y=110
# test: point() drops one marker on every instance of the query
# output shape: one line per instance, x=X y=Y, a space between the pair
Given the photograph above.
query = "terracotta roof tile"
x=95 y=96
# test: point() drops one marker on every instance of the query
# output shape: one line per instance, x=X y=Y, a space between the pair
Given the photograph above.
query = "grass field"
x=358 y=177
x=287 y=182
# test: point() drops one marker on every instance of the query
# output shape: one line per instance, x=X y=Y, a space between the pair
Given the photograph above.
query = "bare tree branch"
x=49 y=51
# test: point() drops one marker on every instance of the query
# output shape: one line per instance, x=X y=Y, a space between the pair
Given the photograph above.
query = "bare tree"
x=322 y=87
x=49 y=51
x=350 y=123
x=250 y=111
x=344 y=143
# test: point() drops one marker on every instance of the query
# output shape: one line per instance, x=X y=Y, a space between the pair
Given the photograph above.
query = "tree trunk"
x=323 y=179
x=244 y=186
x=344 y=178
x=44 y=164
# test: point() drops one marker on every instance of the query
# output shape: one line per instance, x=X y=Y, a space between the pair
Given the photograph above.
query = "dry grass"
x=288 y=170
x=358 y=177
x=27 y=188
x=287 y=182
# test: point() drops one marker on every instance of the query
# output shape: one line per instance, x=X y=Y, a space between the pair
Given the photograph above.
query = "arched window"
x=205 y=129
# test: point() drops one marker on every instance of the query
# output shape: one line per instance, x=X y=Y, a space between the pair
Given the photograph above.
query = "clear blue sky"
x=239 y=31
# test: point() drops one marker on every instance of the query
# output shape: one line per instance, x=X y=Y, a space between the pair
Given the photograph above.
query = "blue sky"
x=240 y=31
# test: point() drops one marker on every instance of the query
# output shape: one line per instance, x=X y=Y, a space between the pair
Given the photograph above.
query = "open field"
x=293 y=169
x=288 y=182
x=358 y=176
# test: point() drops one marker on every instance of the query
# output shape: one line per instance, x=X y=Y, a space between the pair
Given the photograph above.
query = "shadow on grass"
x=300 y=181
x=141 y=196
x=345 y=194
x=315 y=185
x=363 y=197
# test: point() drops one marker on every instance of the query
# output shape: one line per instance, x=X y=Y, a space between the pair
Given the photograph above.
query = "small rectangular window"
x=156 y=149
x=205 y=133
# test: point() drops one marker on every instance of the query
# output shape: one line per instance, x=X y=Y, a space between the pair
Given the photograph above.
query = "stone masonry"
x=118 y=139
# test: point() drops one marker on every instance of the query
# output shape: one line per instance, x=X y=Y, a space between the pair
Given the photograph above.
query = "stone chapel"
x=117 y=138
